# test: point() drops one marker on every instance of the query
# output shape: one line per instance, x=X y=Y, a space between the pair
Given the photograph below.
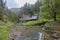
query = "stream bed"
x=24 y=33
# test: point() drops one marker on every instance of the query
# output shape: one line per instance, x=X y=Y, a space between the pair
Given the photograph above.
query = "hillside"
x=15 y=10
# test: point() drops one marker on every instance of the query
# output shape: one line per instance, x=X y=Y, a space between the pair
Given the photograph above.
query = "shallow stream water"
x=25 y=33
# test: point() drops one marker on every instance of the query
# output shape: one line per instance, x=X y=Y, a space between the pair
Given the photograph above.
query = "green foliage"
x=50 y=9
x=3 y=30
x=40 y=20
x=12 y=16
x=2 y=11
x=30 y=23
x=29 y=9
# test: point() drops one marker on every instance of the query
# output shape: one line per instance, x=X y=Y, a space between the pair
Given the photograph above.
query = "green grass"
x=3 y=30
x=40 y=20
x=29 y=23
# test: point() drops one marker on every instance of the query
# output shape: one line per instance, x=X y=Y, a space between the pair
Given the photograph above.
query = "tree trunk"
x=54 y=17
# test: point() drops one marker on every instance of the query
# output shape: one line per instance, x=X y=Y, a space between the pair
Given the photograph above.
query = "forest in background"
x=45 y=10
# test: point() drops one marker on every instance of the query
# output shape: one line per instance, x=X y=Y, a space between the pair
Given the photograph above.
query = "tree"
x=30 y=9
x=50 y=9
x=12 y=17
x=2 y=9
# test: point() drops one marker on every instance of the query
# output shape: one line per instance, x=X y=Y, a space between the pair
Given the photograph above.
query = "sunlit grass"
x=40 y=20
x=3 y=30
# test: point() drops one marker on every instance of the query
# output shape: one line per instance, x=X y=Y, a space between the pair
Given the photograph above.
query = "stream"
x=40 y=36
x=21 y=38
x=25 y=33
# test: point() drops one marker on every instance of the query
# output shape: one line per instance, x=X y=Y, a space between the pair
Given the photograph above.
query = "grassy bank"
x=40 y=20
x=3 y=30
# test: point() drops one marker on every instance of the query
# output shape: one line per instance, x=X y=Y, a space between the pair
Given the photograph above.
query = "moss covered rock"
x=52 y=31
